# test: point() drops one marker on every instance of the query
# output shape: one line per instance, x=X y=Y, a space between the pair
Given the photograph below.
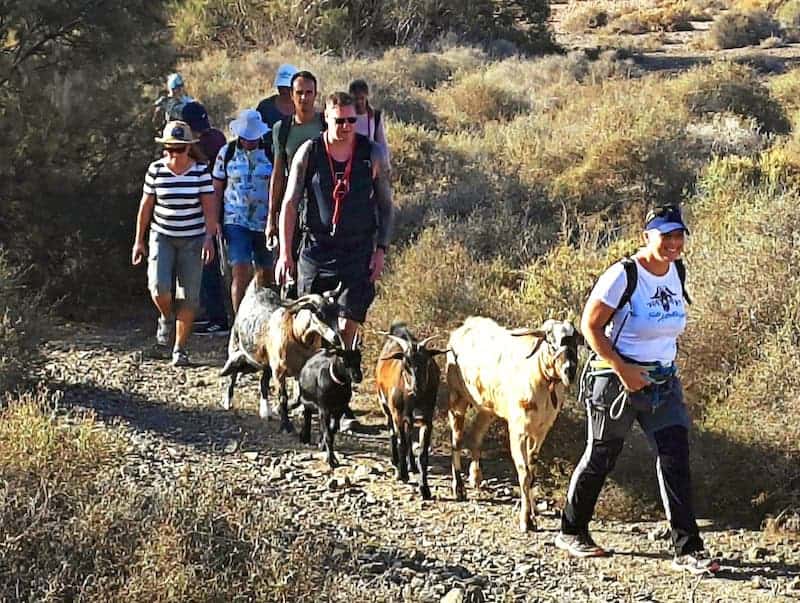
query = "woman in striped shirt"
x=178 y=205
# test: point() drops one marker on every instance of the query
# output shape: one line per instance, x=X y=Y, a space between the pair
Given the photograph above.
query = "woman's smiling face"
x=665 y=247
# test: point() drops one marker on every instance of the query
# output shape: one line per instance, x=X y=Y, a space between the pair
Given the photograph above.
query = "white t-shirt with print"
x=654 y=318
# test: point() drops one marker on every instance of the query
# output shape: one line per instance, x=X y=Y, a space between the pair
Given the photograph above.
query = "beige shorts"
x=175 y=263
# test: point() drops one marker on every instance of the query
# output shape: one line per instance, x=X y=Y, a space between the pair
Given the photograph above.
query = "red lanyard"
x=341 y=186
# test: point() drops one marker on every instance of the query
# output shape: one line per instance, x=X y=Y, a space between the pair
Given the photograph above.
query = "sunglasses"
x=341 y=120
x=671 y=212
x=179 y=149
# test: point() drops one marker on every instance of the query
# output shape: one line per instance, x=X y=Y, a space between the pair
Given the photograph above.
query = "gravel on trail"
x=409 y=549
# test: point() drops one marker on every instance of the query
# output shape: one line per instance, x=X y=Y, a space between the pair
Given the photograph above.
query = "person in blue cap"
x=241 y=175
x=213 y=319
x=632 y=320
x=171 y=105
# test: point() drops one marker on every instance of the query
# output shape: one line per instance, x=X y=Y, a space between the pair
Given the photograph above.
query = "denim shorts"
x=177 y=260
x=246 y=246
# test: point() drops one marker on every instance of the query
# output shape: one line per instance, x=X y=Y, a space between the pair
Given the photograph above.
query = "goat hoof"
x=305 y=438
x=460 y=493
x=527 y=525
x=425 y=492
x=402 y=477
x=287 y=427
x=225 y=403
x=265 y=410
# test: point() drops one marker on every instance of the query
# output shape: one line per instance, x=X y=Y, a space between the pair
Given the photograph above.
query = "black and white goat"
x=276 y=338
x=407 y=380
x=326 y=385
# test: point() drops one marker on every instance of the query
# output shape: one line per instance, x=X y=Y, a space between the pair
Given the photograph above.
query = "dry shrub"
x=668 y=17
x=736 y=29
x=786 y=90
x=725 y=134
x=788 y=16
x=579 y=17
x=76 y=526
x=21 y=316
x=729 y=87
x=471 y=101
x=435 y=284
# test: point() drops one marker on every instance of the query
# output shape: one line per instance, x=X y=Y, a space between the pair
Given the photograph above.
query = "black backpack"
x=632 y=276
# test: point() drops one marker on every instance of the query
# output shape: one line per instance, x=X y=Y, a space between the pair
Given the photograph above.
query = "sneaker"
x=211 y=328
x=164 y=331
x=697 y=563
x=579 y=545
x=180 y=358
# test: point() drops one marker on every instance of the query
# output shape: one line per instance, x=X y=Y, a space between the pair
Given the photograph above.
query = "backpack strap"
x=230 y=151
x=680 y=267
x=632 y=277
x=283 y=138
x=377 y=119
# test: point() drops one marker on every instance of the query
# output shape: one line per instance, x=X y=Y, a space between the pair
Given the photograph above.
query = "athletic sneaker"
x=164 y=331
x=579 y=545
x=697 y=563
x=180 y=358
x=211 y=328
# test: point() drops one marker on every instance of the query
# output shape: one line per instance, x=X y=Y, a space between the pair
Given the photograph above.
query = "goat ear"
x=433 y=352
x=395 y=356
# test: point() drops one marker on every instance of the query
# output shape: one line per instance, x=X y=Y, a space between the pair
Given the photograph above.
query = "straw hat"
x=177 y=132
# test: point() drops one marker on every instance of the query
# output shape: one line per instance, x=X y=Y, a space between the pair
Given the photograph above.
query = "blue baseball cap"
x=665 y=219
x=196 y=116
x=174 y=81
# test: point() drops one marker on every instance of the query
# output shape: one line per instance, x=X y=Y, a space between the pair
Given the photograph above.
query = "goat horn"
x=523 y=331
x=400 y=340
x=333 y=292
x=426 y=340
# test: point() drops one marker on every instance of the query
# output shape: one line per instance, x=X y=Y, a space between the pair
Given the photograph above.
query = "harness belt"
x=657 y=374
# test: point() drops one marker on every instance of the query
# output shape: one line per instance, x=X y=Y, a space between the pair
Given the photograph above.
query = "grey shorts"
x=178 y=261
x=654 y=408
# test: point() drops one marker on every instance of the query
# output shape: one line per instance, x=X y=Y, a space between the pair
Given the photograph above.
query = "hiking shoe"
x=210 y=329
x=164 y=331
x=697 y=563
x=579 y=545
x=180 y=358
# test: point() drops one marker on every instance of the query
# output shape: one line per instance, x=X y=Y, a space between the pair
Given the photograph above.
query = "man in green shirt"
x=305 y=124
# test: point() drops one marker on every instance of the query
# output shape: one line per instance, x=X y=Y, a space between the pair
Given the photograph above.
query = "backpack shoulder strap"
x=632 y=277
x=680 y=267
x=377 y=118
x=230 y=151
x=283 y=138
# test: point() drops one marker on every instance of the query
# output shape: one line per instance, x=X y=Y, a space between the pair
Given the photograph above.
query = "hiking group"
x=301 y=199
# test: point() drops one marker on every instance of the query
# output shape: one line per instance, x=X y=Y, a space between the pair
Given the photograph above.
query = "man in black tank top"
x=349 y=215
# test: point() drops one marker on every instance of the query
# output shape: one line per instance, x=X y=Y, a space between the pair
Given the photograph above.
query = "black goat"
x=407 y=379
x=325 y=383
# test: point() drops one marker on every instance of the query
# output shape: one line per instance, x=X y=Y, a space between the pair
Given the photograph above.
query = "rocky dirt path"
x=408 y=549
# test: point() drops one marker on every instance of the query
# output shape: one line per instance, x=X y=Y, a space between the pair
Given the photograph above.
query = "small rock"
x=456 y=595
x=251 y=456
x=660 y=532
x=542 y=506
x=231 y=446
x=373 y=568
x=755 y=553
x=276 y=474
x=758 y=582
x=795 y=583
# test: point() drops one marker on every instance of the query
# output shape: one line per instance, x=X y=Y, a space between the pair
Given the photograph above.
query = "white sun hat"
x=249 y=125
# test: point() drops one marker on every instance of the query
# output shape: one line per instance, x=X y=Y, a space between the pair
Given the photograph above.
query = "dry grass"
x=76 y=528
x=736 y=29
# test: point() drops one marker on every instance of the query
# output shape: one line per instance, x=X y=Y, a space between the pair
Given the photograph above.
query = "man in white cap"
x=172 y=104
x=241 y=182
x=279 y=106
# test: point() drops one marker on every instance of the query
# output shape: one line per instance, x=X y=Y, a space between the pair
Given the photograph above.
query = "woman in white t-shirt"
x=632 y=321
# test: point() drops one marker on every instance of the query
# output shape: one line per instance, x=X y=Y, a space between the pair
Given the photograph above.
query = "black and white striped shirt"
x=178 y=212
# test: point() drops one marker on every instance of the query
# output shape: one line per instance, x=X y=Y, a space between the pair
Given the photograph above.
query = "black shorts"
x=322 y=266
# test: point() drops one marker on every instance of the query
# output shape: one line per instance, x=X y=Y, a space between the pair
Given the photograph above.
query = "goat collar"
x=551 y=381
x=334 y=378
